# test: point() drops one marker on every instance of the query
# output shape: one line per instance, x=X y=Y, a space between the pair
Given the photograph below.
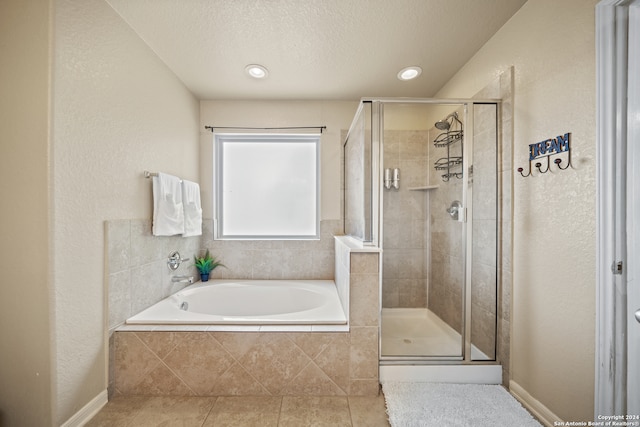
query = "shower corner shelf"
x=444 y=140
x=447 y=138
x=423 y=188
x=445 y=163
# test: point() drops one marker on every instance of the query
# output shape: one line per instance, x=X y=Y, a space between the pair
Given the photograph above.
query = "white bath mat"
x=456 y=405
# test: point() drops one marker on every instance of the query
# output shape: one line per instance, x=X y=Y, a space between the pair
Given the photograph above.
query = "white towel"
x=168 y=212
x=192 y=209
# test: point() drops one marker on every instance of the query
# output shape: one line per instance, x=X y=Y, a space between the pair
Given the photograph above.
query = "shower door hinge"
x=617 y=267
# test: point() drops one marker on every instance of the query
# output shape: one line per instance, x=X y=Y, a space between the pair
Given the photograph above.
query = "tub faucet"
x=182 y=279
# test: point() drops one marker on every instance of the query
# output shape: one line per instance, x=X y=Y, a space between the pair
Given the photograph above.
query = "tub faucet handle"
x=174 y=260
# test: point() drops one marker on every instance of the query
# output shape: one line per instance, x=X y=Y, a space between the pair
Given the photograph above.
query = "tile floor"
x=243 y=411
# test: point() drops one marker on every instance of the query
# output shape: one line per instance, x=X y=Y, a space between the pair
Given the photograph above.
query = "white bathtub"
x=249 y=302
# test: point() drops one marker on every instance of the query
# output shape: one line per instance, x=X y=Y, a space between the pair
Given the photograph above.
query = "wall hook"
x=539 y=165
x=522 y=170
x=549 y=148
x=559 y=161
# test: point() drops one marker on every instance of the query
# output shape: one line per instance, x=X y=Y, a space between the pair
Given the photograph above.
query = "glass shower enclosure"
x=421 y=183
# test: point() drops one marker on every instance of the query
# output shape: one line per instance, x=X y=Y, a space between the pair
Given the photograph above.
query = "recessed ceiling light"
x=256 y=71
x=409 y=73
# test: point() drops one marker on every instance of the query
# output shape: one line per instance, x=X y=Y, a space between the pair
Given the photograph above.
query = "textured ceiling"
x=314 y=49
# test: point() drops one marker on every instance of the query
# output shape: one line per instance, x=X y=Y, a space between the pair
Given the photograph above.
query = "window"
x=266 y=186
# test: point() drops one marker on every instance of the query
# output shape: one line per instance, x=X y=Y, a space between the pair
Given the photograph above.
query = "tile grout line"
x=312 y=360
x=147 y=371
x=169 y=367
x=235 y=361
x=212 y=335
x=309 y=358
x=215 y=401
x=279 y=411
x=350 y=414
x=348 y=379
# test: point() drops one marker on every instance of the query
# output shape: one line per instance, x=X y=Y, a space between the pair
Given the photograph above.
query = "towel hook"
x=549 y=148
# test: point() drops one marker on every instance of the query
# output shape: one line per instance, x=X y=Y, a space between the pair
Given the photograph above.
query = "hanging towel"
x=192 y=208
x=168 y=212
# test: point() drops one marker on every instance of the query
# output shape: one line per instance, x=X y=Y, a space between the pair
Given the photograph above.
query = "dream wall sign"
x=558 y=148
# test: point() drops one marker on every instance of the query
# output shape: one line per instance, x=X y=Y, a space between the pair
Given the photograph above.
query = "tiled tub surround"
x=137 y=272
x=215 y=363
x=138 y=276
x=275 y=259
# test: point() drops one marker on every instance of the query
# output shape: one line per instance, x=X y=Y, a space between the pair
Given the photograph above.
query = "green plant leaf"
x=206 y=263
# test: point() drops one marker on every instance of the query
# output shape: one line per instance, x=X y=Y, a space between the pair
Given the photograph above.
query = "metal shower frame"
x=376 y=213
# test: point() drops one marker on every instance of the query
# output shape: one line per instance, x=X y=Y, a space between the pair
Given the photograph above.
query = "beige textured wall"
x=117 y=111
x=25 y=372
x=552 y=48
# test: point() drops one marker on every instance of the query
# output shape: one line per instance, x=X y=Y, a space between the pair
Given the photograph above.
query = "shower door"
x=439 y=231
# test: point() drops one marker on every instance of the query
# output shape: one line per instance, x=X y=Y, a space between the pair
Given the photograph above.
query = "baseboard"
x=544 y=414
x=468 y=374
x=87 y=412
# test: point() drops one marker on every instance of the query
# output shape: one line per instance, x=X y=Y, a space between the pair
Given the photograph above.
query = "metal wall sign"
x=559 y=148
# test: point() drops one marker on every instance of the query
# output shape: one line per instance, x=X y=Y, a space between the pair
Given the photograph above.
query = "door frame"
x=633 y=210
x=465 y=357
x=617 y=212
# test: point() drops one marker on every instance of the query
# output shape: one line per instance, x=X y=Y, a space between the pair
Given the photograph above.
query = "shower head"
x=445 y=123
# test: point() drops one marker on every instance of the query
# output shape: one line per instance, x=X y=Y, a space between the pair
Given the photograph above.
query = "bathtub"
x=248 y=302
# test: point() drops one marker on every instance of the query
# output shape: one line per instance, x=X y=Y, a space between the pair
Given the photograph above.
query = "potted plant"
x=205 y=264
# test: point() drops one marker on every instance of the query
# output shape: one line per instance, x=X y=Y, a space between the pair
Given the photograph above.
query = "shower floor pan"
x=418 y=332
x=415 y=332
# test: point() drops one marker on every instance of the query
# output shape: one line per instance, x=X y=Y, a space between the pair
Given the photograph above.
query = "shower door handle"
x=637 y=314
x=456 y=211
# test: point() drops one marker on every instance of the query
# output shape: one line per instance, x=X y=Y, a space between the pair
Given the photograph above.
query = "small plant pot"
x=204 y=277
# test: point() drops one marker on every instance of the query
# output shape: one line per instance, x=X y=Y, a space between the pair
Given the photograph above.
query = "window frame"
x=219 y=140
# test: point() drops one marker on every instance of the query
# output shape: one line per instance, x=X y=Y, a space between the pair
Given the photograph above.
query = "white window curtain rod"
x=213 y=128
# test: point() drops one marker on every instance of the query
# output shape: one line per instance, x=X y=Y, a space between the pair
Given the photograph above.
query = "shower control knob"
x=454 y=210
